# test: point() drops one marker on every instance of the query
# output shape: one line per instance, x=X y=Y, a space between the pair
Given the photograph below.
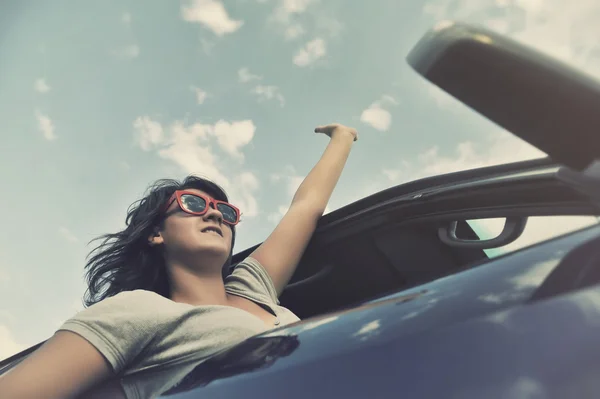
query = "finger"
x=321 y=129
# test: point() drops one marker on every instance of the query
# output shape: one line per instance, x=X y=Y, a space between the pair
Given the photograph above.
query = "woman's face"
x=185 y=236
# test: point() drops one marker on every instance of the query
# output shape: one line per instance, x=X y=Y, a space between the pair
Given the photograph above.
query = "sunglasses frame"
x=177 y=197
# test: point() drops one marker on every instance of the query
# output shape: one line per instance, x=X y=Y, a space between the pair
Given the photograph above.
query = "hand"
x=336 y=129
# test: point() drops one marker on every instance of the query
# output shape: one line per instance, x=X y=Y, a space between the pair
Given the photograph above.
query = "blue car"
x=402 y=294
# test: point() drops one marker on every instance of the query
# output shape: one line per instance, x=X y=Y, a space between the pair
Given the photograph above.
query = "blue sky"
x=99 y=99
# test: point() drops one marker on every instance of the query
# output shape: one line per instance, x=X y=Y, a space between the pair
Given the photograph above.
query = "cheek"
x=180 y=229
x=228 y=234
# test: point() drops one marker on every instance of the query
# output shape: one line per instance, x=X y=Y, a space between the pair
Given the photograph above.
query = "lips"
x=214 y=229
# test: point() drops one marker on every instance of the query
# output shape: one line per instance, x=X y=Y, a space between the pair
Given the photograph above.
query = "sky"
x=99 y=99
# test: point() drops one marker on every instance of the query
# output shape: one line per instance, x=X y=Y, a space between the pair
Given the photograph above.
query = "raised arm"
x=64 y=367
x=282 y=250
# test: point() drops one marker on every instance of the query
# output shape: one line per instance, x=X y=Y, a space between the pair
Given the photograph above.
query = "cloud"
x=126 y=18
x=67 y=234
x=286 y=17
x=310 y=53
x=232 y=136
x=8 y=344
x=294 y=31
x=262 y=92
x=244 y=75
x=286 y=9
x=211 y=14
x=41 y=86
x=193 y=148
x=149 y=133
x=275 y=217
x=46 y=126
x=495 y=149
x=377 y=116
x=243 y=193
x=201 y=95
x=290 y=178
x=131 y=51
x=268 y=93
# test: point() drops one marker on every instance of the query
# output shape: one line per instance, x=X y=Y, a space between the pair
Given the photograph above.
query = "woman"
x=157 y=289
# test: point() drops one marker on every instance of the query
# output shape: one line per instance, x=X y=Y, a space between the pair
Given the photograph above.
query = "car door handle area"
x=513 y=228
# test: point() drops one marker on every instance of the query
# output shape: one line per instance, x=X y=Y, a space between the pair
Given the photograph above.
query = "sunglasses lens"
x=229 y=214
x=193 y=203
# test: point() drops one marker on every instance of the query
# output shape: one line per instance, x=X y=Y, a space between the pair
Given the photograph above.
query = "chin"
x=214 y=250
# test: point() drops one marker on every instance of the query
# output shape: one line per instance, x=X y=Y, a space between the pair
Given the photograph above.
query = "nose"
x=213 y=214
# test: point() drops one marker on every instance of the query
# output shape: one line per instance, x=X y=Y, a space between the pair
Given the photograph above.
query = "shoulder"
x=137 y=302
x=131 y=297
x=250 y=278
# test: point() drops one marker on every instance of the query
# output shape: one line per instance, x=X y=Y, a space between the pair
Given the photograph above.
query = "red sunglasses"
x=198 y=204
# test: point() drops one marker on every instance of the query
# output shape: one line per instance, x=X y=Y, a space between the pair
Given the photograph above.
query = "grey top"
x=141 y=330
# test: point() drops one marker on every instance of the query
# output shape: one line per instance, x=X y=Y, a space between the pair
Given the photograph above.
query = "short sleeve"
x=119 y=327
x=250 y=279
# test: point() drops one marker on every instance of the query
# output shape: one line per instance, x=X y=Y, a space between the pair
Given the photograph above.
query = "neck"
x=198 y=286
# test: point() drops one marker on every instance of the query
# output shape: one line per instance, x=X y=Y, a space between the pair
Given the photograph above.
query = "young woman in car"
x=161 y=288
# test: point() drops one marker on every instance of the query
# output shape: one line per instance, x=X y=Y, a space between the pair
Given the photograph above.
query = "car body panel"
x=469 y=334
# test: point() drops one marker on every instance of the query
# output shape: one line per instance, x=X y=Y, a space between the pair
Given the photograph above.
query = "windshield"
x=98 y=99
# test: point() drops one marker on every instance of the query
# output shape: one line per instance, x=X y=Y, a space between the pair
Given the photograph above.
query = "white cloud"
x=243 y=193
x=268 y=93
x=377 y=116
x=46 y=126
x=232 y=136
x=310 y=53
x=294 y=31
x=263 y=92
x=193 y=149
x=288 y=8
x=293 y=18
x=275 y=217
x=195 y=158
x=67 y=234
x=244 y=75
x=126 y=18
x=201 y=95
x=41 y=86
x=149 y=133
x=131 y=51
x=8 y=344
x=212 y=15
x=496 y=149
x=291 y=179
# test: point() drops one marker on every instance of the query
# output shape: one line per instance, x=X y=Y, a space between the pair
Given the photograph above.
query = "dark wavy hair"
x=125 y=261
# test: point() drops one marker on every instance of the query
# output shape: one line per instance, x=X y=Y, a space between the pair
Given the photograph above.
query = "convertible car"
x=403 y=295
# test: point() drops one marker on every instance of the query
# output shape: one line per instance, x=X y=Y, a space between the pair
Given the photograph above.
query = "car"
x=401 y=296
